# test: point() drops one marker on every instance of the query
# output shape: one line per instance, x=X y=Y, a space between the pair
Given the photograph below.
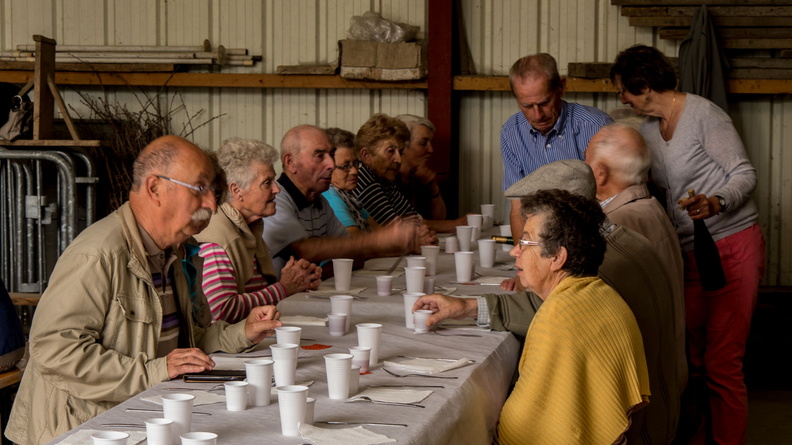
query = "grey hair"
x=541 y=64
x=341 y=138
x=622 y=148
x=153 y=160
x=412 y=120
x=236 y=157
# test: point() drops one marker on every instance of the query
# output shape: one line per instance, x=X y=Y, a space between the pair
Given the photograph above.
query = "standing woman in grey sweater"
x=694 y=145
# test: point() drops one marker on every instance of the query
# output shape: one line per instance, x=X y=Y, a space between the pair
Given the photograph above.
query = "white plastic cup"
x=414 y=277
x=354 y=380
x=178 y=408
x=475 y=234
x=310 y=404
x=384 y=285
x=360 y=357
x=416 y=261
x=431 y=253
x=199 y=438
x=420 y=320
x=429 y=285
x=369 y=335
x=464 y=234
x=342 y=304
x=486 y=252
x=336 y=324
x=259 y=377
x=505 y=230
x=158 y=431
x=288 y=334
x=464 y=266
x=236 y=395
x=292 y=402
x=109 y=438
x=337 y=367
x=451 y=244
x=342 y=273
x=475 y=219
x=409 y=302
x=285 y=366
x=488 y=212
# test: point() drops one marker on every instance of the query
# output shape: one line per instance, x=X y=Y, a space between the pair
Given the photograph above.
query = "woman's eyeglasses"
x=348 y=166
x=525 y=243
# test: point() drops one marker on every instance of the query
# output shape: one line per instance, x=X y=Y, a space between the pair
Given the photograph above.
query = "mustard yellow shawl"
x=582 y=370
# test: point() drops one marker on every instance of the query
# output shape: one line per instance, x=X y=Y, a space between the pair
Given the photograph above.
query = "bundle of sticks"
x=136 y=54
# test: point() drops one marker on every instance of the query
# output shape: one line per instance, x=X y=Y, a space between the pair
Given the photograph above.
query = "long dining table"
x=464 y=410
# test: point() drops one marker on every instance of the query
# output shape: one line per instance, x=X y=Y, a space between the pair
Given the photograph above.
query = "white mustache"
x=201 y=215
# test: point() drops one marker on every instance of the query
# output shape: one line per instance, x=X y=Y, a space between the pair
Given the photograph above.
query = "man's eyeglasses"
x=525 y=243
x=348 y=166
x=201 y=189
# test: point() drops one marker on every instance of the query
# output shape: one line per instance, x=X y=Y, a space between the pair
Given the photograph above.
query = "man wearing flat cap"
x=630 y=266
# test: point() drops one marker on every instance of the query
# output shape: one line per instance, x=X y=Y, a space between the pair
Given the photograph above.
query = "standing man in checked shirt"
x=546 y=129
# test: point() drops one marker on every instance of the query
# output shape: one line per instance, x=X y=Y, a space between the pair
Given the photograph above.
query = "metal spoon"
x=382 y=402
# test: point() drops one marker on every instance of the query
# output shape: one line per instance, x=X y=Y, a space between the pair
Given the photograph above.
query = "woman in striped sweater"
x=237 y=272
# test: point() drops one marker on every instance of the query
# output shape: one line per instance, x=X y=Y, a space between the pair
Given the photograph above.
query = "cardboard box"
x=363 y=59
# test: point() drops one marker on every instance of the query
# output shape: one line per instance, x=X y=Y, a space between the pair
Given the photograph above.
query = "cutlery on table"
x=419 y=375
x=142 y=410
x=454 y=334
x=435 y=358
x=405 y=386
x=214 y=388
x=332 y=422
x=327 y=297
x=123 y=425
x=382 y=402
x=392 y=268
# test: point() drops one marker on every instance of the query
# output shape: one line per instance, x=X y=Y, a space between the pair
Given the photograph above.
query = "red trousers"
x=718 y=324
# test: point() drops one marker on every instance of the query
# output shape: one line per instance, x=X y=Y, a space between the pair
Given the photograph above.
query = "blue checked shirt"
x=525 y=149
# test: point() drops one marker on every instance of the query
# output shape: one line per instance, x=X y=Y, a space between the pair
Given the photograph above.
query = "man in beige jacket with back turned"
x=124 y=310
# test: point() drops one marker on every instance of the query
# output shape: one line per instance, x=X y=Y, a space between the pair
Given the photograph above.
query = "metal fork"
x=419 y=375
x=382 y=402
x=451 y=334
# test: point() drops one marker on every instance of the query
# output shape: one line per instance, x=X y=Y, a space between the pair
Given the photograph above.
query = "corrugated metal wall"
x=290 y=32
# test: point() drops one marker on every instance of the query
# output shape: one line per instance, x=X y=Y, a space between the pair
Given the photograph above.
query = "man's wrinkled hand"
x=444 y=307
x=261 y=323
x=187 y=360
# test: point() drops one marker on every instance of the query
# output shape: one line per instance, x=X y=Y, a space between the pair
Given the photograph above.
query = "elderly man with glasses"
x=124 y=309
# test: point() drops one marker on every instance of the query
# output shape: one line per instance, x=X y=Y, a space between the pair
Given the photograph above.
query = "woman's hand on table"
x=300 y=275
x=700 y=206
x=445 y=307
x=261 y=323
x=187 y=360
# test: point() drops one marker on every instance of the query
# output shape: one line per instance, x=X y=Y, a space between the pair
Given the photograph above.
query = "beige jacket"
x=94 y=337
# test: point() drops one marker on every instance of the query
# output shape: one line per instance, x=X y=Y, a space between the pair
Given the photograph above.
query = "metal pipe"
x=90 y=184
x=4 y=236
x=66 y=170
x=31 y=257
x=19 y=217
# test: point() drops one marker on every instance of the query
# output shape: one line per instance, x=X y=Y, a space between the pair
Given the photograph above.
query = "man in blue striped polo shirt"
x=546 y=129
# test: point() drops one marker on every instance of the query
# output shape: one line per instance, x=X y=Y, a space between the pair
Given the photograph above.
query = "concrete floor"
x=768 y=371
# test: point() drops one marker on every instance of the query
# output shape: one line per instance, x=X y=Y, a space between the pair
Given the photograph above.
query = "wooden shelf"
x=53 y=143
x=460 y=83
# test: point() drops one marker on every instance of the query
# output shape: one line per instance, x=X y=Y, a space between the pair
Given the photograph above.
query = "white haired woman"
x=238 y=273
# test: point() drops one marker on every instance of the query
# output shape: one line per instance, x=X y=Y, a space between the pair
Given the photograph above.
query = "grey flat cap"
x=572 y=175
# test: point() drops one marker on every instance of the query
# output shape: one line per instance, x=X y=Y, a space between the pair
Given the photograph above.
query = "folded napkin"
x=382 y=265
x=490 y=281
x=202 y=397
x=82 y=437
x=424 y=365
x=393 y=395
x=302 y=320
x=342 y=436
x=330 y=290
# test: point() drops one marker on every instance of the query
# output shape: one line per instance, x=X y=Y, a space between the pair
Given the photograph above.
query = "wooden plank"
x=756 y=43
x=760 y=73
x=592 y=70
x=52 y=143
x=215 y=80
x=307 y=69
x=784 y=54
x=716 y=21
x=699 y=2
x=754 y=86
x=24 y=299
x=732 y=33
x=10 y=377
x=755 y=62
x=714 y=11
